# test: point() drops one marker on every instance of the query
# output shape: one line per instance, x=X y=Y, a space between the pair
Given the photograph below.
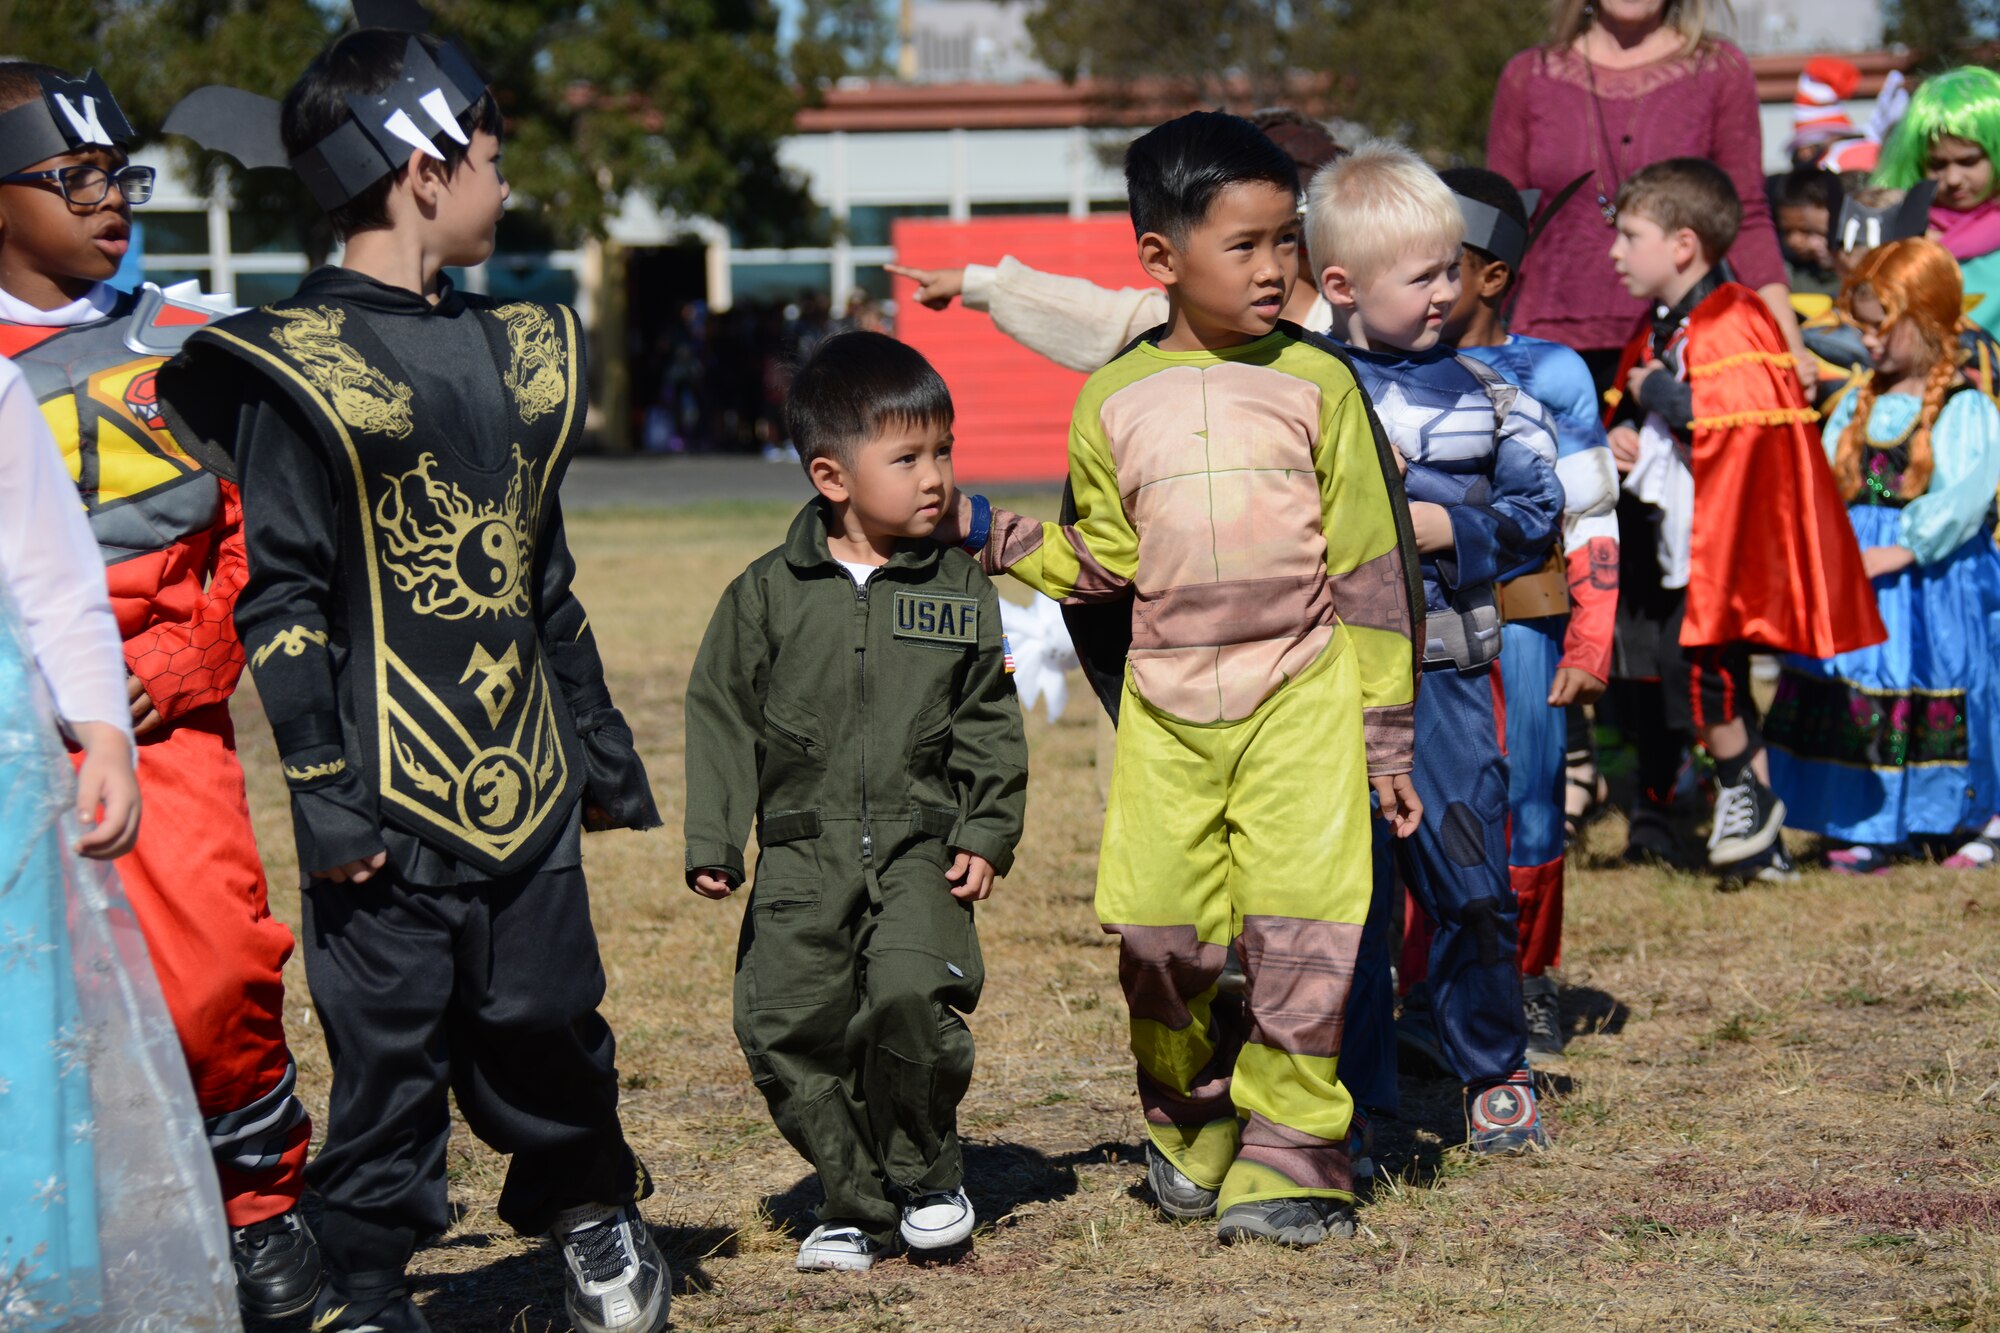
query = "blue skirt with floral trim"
x=1898 y=740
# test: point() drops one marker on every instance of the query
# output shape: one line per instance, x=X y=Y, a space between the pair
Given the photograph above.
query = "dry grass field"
x=1782 y=1108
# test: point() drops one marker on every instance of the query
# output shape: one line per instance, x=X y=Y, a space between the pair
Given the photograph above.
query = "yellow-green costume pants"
x=1256 y=830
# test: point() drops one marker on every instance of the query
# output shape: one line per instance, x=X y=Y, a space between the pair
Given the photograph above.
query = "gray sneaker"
x=1542 y=1009
x=1177 y=1196
x=1296 y=1222
x=617 y=1277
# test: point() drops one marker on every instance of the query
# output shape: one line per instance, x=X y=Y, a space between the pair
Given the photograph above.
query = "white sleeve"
x=1071 y=321
x=1660 y=479
x=52 y=567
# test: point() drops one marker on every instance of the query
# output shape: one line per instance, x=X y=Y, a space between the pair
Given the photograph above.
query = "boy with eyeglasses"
x=168 y=522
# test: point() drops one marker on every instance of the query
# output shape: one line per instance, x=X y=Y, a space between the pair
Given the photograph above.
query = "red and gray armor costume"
x=170 y=528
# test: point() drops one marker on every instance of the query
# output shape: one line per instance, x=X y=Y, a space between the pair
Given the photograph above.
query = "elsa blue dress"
x=1898 y=740
x=110 y=1217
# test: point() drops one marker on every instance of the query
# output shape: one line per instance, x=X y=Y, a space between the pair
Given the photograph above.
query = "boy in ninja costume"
x=1713 y=433
x=1229 y=486
x=167 y=518
x=1485 y=501
x=432 y=682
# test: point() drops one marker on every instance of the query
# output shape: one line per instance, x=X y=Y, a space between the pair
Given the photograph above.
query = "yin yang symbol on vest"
x=453 y=556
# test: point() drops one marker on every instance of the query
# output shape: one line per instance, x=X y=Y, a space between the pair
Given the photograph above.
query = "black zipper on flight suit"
x=861 y=674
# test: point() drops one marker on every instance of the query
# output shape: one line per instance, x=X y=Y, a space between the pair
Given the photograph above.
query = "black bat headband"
x=383 y=129
x=71 y=114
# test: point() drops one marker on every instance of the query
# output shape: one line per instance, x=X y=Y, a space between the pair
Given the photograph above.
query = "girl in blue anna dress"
x=1886 y=747
x=110 y=1216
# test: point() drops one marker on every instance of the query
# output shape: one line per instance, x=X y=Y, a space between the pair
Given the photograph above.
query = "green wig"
x=1962 y=102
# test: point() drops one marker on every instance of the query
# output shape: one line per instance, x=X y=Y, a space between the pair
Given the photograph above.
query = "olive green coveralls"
x=868 y=731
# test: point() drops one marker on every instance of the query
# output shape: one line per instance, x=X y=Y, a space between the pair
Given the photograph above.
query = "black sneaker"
x=1773 y=865
x=617 y=1277
x=1542 y=1010
x=366 y=1303
x=277 y=1266
x=1649 y=840
x=1748 y=819
x=1297 y=1222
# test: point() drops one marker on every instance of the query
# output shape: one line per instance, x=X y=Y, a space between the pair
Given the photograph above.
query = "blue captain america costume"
x=1532 y=650
x=1485 y=450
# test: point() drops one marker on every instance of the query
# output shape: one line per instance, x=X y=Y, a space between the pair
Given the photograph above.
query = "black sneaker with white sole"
x=366 y=1303
x=616 y=1276
x=1297 y=1222
x=1541 y=1008
x=1177 y=1196
x=1773 y=865
x=1748 y=818
x=277 y=1266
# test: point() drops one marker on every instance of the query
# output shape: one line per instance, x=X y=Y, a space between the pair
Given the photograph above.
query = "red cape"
x=1773 y=560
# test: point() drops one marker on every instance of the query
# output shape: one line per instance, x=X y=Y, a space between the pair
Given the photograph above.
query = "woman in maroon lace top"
x=1623 y=84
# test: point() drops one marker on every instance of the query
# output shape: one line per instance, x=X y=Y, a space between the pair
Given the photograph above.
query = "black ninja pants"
x=488 y=991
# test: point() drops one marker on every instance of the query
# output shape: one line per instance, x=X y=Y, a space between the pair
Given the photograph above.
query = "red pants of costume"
x=197 y=888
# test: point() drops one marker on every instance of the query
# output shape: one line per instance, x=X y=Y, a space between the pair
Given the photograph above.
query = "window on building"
x=263 y=232
x=529 y=278
x=869 y=224
x=167 y=277
x=264 y=288
x=168 y=233
x=771 y=284
x=1038 y=209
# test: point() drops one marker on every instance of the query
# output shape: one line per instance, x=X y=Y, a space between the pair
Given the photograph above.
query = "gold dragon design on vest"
x=535 y=377
x=365 y=398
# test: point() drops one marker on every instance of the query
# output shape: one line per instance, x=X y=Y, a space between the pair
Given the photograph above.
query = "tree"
x=1421 y=70
x=683 y=101
x=1942 y=33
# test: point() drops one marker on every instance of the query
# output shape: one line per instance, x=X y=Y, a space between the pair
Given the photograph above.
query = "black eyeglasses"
x=89 y=186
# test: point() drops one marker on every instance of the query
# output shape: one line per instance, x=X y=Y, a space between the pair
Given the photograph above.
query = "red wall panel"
x=1013 y=405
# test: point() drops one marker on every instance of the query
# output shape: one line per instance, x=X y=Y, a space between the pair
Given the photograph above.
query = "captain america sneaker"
x=376 y=1302
x=616 y=1276
x=1177 y=1196
x=1504 y=1118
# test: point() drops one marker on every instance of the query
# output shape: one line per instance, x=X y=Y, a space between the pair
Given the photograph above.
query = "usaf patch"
x=937 y=619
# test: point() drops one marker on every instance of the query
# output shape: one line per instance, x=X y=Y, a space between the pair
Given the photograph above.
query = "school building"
x=975 y=154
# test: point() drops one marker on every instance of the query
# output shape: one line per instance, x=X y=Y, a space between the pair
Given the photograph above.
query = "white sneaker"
x=837 y=1249
x=937 y=1221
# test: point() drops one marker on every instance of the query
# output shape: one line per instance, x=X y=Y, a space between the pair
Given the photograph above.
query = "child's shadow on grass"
x=522 y=1292
x=1589 y=1012
x=1000 y=1177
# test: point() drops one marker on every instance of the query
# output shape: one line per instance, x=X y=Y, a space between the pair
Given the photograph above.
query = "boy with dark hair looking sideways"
x=434 y=690
x=1229 y=480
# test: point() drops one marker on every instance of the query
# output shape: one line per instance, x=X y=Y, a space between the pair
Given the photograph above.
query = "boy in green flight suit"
x=852 y=696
